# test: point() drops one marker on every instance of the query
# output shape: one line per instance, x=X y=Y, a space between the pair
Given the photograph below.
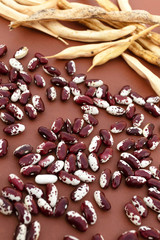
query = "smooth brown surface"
x=116 y=74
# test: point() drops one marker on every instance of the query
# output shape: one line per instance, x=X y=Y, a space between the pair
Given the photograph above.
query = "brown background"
x=116 y=74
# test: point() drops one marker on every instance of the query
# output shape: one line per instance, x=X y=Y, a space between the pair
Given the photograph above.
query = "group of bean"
x=72 y=162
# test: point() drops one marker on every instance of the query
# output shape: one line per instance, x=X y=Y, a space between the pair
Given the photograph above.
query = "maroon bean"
x=33 y=64
x=82 y=160
x=86 y=131
x=77 y=221
x=50 y=70
x=25 y=77
x=141 y=142
x=135 y=181
x=90 y=92
x=89 y=212
x=23 y=214
x=3 y=147
x=105 y=178
x=51 y=93
x=105 y=155
x=116 y=179
x=106 y=137
x=57 y=125
x=134 y=131
x=101 y=91
x=38 y=103
x=15 y=181
x=8 y=86
x=33 y=231
x=14 y=129
x=101 y=200
x=153 y=142
x=80 y=146
x=65 y=93
x=79 y=78
x=152 y=203
x=55 y=167
x=69 y=178
x=138 y=119
x=68 y=125
x=25 y=96
x=95 y=144
x=5 y=93
x=75 y=90
x=110 y=99
x=33 y=190
x=41 y=58
x=90 y=119
x=70 y=67
x=13 y=75
x=123 y=100
x=97 y=237
x=47 y=133
x=140 y=205
x=154 y=183
x=125 y=91
x=60 y=207
x=79 y=192
x=46 y=147
x=15 y=111
x=45 y=162
x=3 y=68
x=143 y=173
x=78 y=124
x=30 y=111
x=20 y=232
x=133 y=214
x=138 y=99
x=129 y=235
x=70 y=163
x=154 y=192
x=39 y=81
x=118 y=127
x=6 y=207
x=130 y=111
x=62 y=150
x=31 y=204
x=30 y=170
x=149 y=232
x=69 y=237
x=3 y=102
x=22 y=150
x=30 y=158
x=125 y=145
x=131 y=159
x=68 y=137
x=3 y=50
x=12 y=194
x=152 y=109
x=148 y=130
x=44 y=207
x=125 y=168
x=83 y=99
x=52 y=194
x=59 y=81
x=141 y=153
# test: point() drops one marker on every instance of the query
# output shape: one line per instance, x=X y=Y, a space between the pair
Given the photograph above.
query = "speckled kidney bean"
x=15 y=111
x=3 y=147
x=140 y=205
x=133 y=214
x=90 y=119
x=24 y=97
x=5 y=93
x=3 y=102
x=57 y=125
x=77 y=221
x=129 y=235
x=14 y=129
x=115 y=110
x=105 y=178
x=47 y=133
x=38 y=103
x=30 y=170
x=33 y=64
x=93 y=82
x=149 y=232
x=125 y=168
x=21 y=53
x=39 y=81
x=97 y=237
x=51 y=194
x=6 y=207
x=155 y=172
x=15 y=181
x=44 y=207
x=61 y=151
x=70 y=67
x=68 y=125
x=51 y=93
x=138 y=99
x=33 y=231
x=118 y=127
x=106 y=137
x=45 y=162
x=69 y=178
x=14 y=63
x=152 y=109
x=140 y=143
x=125 y=145
x=33 y=190
x=25 y=77
x=101 y=91
x=148 y=130
x=16 y=95
x=85 y=176
x=70 y=163
x=90 y=92
x=130 y=159
x=110 y=99
x=154 y=183
x=89 y=212
x=60 y=207
x=136 y=131
x=41 y=58
x=82 y=160
x=55 y=167
x=68 y=137
x=152 y=99
x=95 y=144
x=59 y=81
x=153 y=142
x=154 y=192
x=23 y=214
x=125 y=90
x=152 y=203
x=3 y=50
x=46 y=147
x=30 y=158
x=90 y=109
x=141 y=153
x=31 y=204
x=3 y=68
x=22 y=85
x=101 y=200
x=30 y=111
x=143 y=173
x=78 y=124
x=13 y=75
x=46 y=178
x=130 y=111
x=65 y=93
x=75 y=90
x=93 y=162
x=69 y=237
x=79 y=78
x=105 y=155
x=83 y=99
x=138 y=119
x=50 y=70
x=116 y=179
x=123 y=100
x=80 y=146
x=79 y=192
x=145 y=162
x=20 y=232
x=22 y=150
x=135 y=181
x=8 y=86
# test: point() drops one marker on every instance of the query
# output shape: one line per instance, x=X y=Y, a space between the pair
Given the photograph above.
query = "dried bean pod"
x=105 y=178
x=116 y=179
x=132 y=214
x=60 y=207
x=125 y=168
x=82 y=160
x=152 y=203
x=38 y=103
x=3 y=147
x=30 y=158
x=46 y=178
x=31 y=204
x=101 y=200
x=125 y=145
x=149 y=232
x=130 y=111
x=77 y=221
x=129 y=235
x=6 y=207
x=22 y=212
x=79 y=192
x=47 y=133
x=20 y=232
x=57 y=125
x=90 y=119
x=118 y=127
x=69 y=178
x=125 y=91
x=131 y=159
x=135 y=181
x=15 y=181
x=70 y=67
x=85 y=176
x=105 y=155
x=152 y=109
x=51 y=194
x=14 y=129
x=30 y=170
x=70 y=163
x=33 y=190
x=140 y=205
x=55 y=167
x=95 y=144
x=89 y=212
x=44 y=207
x=79 y=78
x=51 y=93
x=138 y=99
x=33 y=231
x=115 y=110
x=33 y=64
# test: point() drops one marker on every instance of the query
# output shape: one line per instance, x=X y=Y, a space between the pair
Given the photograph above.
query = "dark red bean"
x=148 y=130
x=3 y=50
x=133 y=214
x=38 y=103
x=15 y=111
x=118 y=127
x=137 y=119
x=86 y=131
x=25 y=77
x=33 y=64
x=59 y=81
x=47 y=133
x=125 y=91
x=5 y=93
x=52 y=194
x=153 y=142
x=8 y=86
x=131 y=159
x=20 y=232
x=105 y=155
x=93 y=162
x=154 y=183
x=41 y=58
x=80 y=146
x=30 y=170
x=68 y=137
x=93 y=82
x=95 y=144
x=30 y=158
x=3 y=102
x=138 y=99
x=22 y=85
x=70 y=67
x=135 y=181
x=14 y=129
x=33 y=190
x=143 y=173
x=129 y=235
x=65 y=93
x=31 y=204
x=101 y=200
x=13 y=75
x=90 y=119
x=89 y=212
x=3 y=68
x=70 y=163
x=68 y=125
x=30 y=111
x=69 y=178
x=154 y=192
x=79 y=192
x=140 y=143
x=152 y=203
x=55 y=167
x=22 y=150
x=60 y=207
x=33 y=231
x=110 y=99
x=23 y=214
x=39 y=80
x=82 y=160
x=25 y=96
x=79 y=78
x=44 y=207
x=78 y=124
x=124 y=100
x=136 y=131
x=12 y=194
x=141 y=153
x=106 y=137
x=125 y=144
x=116 y=179
x=75 y=90
x=83 y=99
x=152 y=109
x=62 y=150
x=15 y=181
x=105 y=178
x=6 y=207
x=77 y=221
x=140 y=205
x=51 y=93
x=149 y=232
x=97 y=237
x=3 y=147
x=125 y=168
x=69 y=237
x=101 y=91
x=46 y=147
x=50 y=70
x=130 y=111
x=90 y=92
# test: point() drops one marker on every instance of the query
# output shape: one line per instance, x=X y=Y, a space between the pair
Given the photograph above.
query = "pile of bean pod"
x=66 y=158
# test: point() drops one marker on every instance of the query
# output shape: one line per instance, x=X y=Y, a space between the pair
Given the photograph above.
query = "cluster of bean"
x=69 y=151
